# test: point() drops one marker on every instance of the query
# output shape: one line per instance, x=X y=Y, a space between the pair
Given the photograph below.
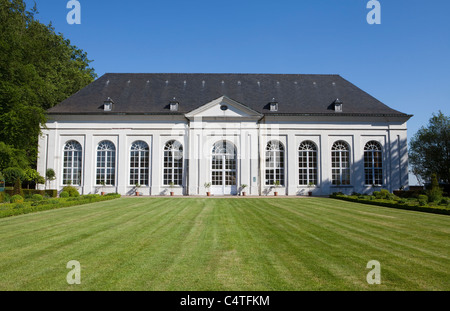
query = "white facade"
x=246 y=132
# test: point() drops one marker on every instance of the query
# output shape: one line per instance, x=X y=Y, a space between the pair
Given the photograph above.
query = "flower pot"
x=171 y=193
x=244 y=193
x=103 y=193
x=275 y=193
x=208 y=193
x=138 y=193
x=310 y=193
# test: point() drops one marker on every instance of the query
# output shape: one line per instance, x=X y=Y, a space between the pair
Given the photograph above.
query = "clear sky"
x=404 y=61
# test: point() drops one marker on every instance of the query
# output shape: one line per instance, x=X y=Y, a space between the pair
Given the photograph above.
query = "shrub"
x=384 y=193
x=19 y=205
x=18 y=188
x=444 y=201
x=6 y=197
x=51 y=193
x=11 y=174
x=434 y=193
x=423 y=200
x=72 y=191
x=64 y=194
x=377 y=194
x=17 y=199
x=37 y=197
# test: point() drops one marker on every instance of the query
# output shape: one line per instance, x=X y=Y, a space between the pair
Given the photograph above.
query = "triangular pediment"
x=223 y=107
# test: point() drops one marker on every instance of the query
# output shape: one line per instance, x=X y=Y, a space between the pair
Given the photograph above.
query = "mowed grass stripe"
x=225 y=244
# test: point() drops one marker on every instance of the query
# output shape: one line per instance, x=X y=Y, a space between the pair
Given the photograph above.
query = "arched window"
x=274 y=163
x=72 y=163
x=106 y=163
x=340 y=163
x=373 y=163
x=307 y=163
x=139 y=163
x=173 y=163
x=223 y=164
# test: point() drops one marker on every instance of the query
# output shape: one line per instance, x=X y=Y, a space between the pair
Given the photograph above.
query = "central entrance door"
x=223 y=168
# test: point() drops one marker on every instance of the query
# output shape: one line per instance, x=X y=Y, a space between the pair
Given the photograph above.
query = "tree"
x=32 y=175
x=11 y=174
x=11 y=157
x=38 y=69
x=50 y=175
x=17 y=190
x=430 y=149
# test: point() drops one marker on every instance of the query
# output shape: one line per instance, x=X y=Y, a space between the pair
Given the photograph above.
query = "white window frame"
x=105 y=146
x=274 y=152
x=73 y=151
x=171 y=147
x=372 y=148
x=142 y=169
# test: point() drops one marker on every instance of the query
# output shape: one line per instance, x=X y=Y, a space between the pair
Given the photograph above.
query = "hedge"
x=29 y=192
x=11 y=209
x=394 y=204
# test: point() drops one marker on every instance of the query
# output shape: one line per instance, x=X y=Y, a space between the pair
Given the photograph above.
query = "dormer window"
x=273 y=105
x=173 y=106
x=337 y=105
x=108 y=104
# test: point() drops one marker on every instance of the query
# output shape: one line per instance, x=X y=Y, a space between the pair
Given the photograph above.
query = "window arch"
x=340 y=163
x=373 y=163
x=72 y=163
x=274 y=162
x=173 y=163
x=223 y=164
x=307 y=163
x=106 y=163
x=139 y=163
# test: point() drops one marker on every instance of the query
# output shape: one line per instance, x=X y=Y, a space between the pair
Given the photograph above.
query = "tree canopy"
x=430 y=149
x=38 y=69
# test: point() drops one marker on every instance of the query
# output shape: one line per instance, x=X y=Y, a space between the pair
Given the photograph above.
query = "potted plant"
x=171 y=185
x=207 y=185
x=310 y=185
x=243 y=186
x=137 y=186
x=103 y=187
x=276 y=184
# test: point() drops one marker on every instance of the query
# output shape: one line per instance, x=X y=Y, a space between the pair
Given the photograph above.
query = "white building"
x=177 y=132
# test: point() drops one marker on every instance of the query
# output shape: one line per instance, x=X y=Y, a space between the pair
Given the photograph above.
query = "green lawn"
x=225 y=244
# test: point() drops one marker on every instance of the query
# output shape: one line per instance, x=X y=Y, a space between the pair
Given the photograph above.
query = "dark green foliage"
x=401 y=204
x=72 y=191
x=64 y=194
x=11 y=157
x=444 y=201
x=430 y=149
x=38 y=69
x=11 y=174
x=18 y=188
x=423 y=199
x=51 y=193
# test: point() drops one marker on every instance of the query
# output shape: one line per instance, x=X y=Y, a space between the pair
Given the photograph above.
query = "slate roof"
x=142 y=93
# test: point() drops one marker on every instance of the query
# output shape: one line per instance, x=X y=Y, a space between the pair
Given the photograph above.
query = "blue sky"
x=404 y=61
